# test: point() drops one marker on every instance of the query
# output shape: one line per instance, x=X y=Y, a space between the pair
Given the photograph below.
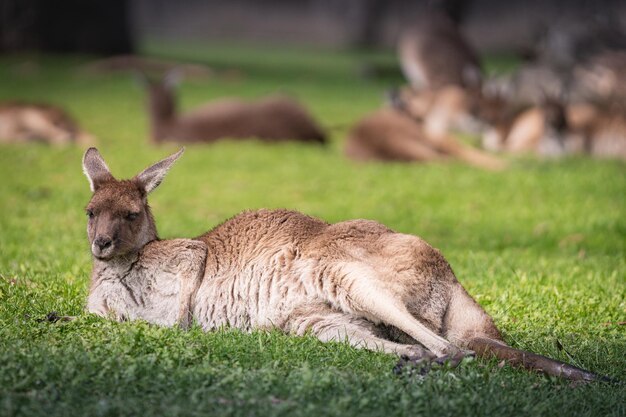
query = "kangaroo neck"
x=118 y=263
x=163 y=115
x=160 y=127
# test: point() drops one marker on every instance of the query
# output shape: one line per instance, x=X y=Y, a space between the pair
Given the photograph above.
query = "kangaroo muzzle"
x=102 y=247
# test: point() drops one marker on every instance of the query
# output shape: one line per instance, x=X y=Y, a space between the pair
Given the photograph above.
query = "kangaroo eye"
x=132 y=216
x=89 y=214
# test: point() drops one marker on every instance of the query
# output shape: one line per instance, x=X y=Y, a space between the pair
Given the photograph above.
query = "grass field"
x=542 y=246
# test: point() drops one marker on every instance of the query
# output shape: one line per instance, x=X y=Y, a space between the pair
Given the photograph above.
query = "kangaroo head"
x=119 y=219
x=161 y=95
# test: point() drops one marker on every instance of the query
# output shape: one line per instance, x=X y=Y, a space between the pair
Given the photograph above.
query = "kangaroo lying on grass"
x=37 y=122
x=504 y=125
x=392 y=135
x=272 y=119
x=282 y=269
x=597 y=130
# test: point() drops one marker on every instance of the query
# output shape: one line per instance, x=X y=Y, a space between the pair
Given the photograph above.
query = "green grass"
x=541 y=246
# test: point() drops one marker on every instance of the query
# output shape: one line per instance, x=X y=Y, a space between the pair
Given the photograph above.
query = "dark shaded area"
x=66 y=26
x=491 y=25
x=53 y=317
x=112 y=27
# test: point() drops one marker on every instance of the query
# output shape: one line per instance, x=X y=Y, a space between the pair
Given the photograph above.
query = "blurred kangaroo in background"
x=556 y=128
x=433 y=54
x=539 y=129
x=392 y=135
x=442 y=111
x=599 y=78
x=264 y=269
x=504 y=126
x=271 y=119
x=597 y=130
x=36 y=122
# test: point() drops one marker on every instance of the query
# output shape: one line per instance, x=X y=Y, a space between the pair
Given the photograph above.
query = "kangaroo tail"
x=491 y=348
x=469 y=326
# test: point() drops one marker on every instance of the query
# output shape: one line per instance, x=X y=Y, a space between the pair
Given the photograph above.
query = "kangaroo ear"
x=151 y=177
x=95 y=169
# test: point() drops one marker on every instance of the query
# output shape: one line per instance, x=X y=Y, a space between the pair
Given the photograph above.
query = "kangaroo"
x=529 y=84
x=599 y=131
x=389 y=135
x=601 y=77
x=271 y=119
x=37 y=122
x=283 y=269
x=392 y=135
x=504 y=126
x=541 y=130
x=442 y=110
x=433 y=54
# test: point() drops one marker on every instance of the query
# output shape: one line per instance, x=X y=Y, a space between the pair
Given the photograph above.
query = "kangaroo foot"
x=424 y=363
x=453 y=360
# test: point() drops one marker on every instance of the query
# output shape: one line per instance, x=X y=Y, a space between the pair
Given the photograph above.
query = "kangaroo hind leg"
x=329 y=324
x=364 y=295
x=466 y=320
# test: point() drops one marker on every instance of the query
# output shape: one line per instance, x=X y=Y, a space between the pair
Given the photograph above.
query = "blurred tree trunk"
x=97 y=26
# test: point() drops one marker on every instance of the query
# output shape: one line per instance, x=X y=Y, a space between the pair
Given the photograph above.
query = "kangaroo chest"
x=139 y=292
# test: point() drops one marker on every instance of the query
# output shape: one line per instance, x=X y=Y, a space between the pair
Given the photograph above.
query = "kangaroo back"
x=390 y=135
x=272 y=119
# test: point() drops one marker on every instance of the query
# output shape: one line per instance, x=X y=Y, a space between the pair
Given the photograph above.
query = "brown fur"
x=556 y=129
x=531 y=120
x=602 y=77
x=271 y=119
x=37 y=122
x=505 y=126
x=389 y=135
x=537 y=129
x=392 y=135
x=442 y=110
x=351 y=280
x=433 y=54
x=598 y=131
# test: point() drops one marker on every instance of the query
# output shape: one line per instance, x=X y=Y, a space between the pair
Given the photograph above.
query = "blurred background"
x=483 y=95
x=518 y=53
x=122 y=26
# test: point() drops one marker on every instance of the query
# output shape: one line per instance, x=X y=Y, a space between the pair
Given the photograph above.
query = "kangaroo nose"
x=103 y=242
